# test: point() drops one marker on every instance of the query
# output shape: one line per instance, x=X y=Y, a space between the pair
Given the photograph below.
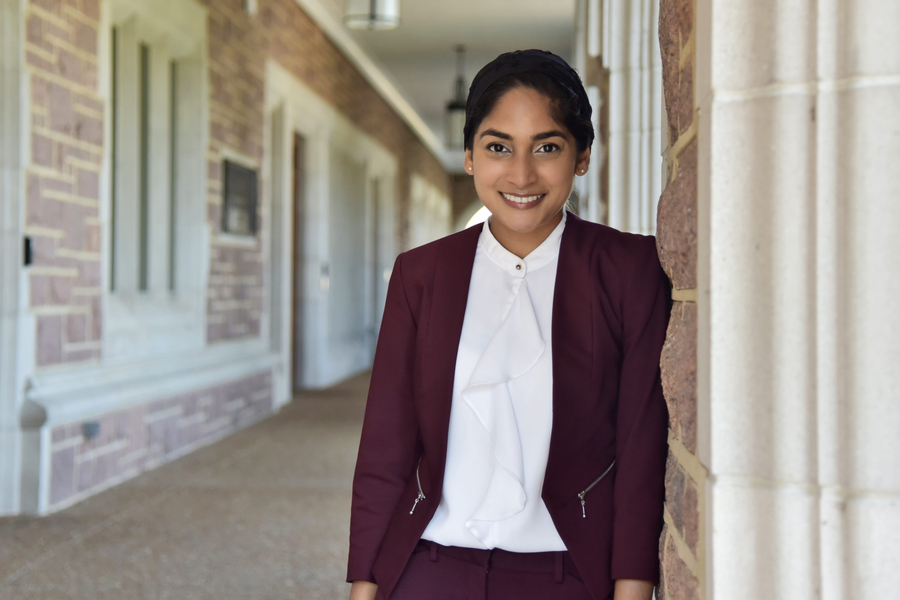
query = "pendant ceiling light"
x=456 y=108
x=372 y=14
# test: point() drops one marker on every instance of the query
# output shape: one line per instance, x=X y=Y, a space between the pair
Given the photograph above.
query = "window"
x=152 y=136
x=155 y=68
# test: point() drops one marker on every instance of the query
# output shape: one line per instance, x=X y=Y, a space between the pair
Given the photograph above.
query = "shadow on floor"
x=262 y=514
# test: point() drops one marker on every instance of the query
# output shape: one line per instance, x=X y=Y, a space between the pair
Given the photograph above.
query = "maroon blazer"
x=610 y=312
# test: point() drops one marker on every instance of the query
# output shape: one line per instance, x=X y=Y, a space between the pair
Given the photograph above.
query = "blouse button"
x=518 y=267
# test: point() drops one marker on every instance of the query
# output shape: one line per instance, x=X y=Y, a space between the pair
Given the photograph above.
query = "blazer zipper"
x=584 y=492
x=421 y=495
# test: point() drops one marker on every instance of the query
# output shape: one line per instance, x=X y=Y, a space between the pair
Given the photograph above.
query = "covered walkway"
x=262 y=514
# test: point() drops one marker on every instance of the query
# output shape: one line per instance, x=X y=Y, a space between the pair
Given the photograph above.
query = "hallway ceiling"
x=419 y=56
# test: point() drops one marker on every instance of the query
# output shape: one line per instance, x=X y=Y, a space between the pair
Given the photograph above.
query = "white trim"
x=293 y=107
x=14 y=112
x=377 y=77
x=87 y=393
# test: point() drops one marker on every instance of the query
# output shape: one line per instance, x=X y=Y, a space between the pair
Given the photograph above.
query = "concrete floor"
x=262 y=514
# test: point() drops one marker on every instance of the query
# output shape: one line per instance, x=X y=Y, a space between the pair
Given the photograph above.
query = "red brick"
x=49 y=340
x=89 y=273
x=63 y=118
x=41 y=150
x=88 y=184
x=50 y=290
x=682 y=502
x=676 y=22
x=678 y=366
x=33 y=60
x=71 y=67
x=86 y=37
x=43 y=250
x=91 y=9
x=76 y=328
x=52 y=6
x=676 y=235
x=34 y=30
x=62 y=469
x=680 y=583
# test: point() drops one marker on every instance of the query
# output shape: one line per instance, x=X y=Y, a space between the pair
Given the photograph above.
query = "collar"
x=547 y=252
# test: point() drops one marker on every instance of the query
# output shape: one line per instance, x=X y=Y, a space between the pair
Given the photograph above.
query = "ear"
x=468 y=164
x=583 y=162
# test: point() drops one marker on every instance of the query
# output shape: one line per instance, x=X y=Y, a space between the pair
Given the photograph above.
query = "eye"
x=547 y=148
x=496 y=147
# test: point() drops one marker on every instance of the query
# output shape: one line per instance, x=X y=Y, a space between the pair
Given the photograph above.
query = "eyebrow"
x=538 y=136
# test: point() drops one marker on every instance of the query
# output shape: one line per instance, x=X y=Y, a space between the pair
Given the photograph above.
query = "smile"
x=521 y=199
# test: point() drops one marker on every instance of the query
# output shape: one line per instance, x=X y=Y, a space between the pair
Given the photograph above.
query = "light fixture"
x=372 y=14
x=456 y=108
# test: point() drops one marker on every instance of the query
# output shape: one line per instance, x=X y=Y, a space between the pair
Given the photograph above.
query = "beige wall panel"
x=761 y=286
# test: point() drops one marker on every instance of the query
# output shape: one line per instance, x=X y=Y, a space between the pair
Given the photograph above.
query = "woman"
x=514 y=440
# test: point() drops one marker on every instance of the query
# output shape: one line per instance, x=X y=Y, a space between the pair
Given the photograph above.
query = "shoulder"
x=419 y=264
x=613 y=251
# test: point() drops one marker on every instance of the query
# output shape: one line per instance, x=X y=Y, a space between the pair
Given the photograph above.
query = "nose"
x=521 y=171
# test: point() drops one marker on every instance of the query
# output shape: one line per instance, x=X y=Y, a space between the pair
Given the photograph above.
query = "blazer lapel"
x=572 y=342
x=452 y=274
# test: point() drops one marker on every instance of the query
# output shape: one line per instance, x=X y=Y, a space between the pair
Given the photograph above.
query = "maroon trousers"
x=436 y=572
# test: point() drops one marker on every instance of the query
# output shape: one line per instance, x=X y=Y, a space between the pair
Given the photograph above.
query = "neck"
x=522 y=244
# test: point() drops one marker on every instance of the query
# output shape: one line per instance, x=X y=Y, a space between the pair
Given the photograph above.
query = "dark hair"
x=567 y=106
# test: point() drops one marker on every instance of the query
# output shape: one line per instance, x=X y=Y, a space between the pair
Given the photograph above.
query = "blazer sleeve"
x=387 y=447
x=642 y=421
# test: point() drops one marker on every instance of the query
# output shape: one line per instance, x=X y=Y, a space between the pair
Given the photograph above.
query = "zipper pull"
x=583 y=513
x=419 y=498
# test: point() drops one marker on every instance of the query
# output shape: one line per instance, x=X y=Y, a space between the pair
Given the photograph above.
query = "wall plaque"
x=239 y=199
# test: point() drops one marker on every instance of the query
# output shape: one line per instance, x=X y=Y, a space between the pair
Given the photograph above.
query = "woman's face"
x=524 y=164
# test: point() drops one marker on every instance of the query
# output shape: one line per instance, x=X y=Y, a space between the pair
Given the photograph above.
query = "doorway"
x=298 y=197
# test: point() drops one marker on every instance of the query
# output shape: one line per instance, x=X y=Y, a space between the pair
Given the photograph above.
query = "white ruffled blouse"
x=502 y=406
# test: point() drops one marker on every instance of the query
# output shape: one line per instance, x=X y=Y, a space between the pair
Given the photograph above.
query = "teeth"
x=521 y=199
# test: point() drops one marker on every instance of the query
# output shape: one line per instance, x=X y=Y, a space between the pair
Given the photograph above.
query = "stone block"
x=676 y=236
x=88 y=185
x=678 y=366
x=41 y=150
x=763 y=43
x=49 y=340
x=676 y=25
x=76 y=328
x=86 y=37
x=762 y=282
x=63 y=118
x=50 y=290
x=682 y=502
x=766 y=529
x=91 y=9
x=62 y=470
x=679 y=582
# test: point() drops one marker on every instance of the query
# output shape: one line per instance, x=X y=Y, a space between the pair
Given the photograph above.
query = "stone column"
x=682 y=544
x=799 y=333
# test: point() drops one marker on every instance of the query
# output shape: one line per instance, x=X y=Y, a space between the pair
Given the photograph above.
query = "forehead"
x=521 y=110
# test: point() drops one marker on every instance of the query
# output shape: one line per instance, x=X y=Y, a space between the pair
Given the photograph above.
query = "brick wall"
x=239 y=45
x=681 y=545
x=139 y=438
x=63 y=179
